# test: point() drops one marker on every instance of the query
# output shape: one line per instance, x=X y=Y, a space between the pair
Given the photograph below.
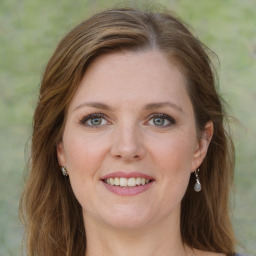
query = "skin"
x=124 y=87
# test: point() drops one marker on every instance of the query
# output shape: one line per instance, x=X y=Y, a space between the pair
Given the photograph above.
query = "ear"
x=61 y=154
x=202 y=146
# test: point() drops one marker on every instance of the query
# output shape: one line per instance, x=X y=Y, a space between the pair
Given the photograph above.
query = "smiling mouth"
x=127 y=182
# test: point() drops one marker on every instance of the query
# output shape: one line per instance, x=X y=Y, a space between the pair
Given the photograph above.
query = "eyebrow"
x=163 y=104
x=97 y=105
x=149 y=106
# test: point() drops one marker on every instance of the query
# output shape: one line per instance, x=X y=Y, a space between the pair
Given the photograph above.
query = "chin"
x=127 y=217
x=127 y=224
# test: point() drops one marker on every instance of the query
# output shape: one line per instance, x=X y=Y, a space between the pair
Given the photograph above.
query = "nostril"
x=127 y=150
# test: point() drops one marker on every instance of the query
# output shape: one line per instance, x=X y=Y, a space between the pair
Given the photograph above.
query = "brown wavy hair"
x=49 y=209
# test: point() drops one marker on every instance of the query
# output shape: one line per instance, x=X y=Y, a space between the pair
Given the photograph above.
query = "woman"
x=129 y=153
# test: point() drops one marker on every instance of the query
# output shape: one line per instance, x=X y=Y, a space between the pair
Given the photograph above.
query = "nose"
x=128 y=144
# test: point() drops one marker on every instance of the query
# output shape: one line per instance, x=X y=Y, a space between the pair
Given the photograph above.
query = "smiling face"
x=130 y=141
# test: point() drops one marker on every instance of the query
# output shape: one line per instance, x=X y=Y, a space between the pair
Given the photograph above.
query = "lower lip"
x=128 y=191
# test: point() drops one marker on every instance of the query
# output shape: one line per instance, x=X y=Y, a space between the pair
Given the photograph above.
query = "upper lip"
x=127 y=175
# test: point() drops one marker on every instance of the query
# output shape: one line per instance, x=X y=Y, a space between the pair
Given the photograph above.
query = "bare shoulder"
x=213 y=254
x=203 y=253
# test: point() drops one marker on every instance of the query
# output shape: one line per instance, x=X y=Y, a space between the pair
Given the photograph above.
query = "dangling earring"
x=64 y=171
x=197 y=186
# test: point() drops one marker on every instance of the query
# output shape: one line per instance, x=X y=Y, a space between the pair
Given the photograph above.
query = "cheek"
x=83 y=157
x=83 y=153
x=172 y=159
x=174 y=153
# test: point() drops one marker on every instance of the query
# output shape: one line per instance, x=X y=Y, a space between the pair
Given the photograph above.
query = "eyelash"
x=151 y=117
x=171 y=120
x=91 y=116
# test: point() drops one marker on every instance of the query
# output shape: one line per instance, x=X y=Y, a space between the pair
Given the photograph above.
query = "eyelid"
x=162 y=115
x=86 y=118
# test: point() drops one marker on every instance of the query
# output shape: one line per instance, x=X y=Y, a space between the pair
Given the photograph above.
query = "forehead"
x=132 y=77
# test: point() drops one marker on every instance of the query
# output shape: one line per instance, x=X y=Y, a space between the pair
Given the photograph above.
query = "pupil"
x=96 y=121
x=159 y=121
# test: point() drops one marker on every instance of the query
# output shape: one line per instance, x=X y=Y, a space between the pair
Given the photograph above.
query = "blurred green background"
x=31 y=29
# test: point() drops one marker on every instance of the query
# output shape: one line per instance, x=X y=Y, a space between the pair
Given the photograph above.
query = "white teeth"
x=117 y=181
x=112 y=181
x=124 y=182
x=138 y=181
x=131 y=182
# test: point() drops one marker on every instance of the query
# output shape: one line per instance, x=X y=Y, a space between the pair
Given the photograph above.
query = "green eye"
x=159 y=121
x=95 y=121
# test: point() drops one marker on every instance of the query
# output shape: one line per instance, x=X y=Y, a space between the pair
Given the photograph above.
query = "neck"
x=161 y=239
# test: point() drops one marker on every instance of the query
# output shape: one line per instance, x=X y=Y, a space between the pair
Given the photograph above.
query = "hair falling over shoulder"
x=50 y=212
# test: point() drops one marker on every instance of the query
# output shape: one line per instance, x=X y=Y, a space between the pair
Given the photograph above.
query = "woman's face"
x=131 y=124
